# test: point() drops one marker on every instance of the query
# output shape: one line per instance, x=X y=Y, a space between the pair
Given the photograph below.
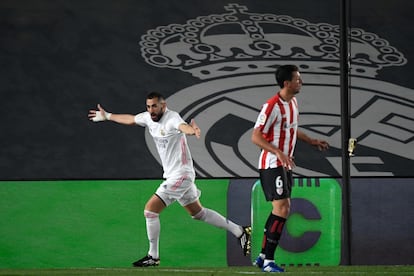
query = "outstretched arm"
x=190 y=129
x=102 y=115
x=320 y=144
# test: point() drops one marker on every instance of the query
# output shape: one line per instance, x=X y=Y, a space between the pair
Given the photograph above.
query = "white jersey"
x=171 y=143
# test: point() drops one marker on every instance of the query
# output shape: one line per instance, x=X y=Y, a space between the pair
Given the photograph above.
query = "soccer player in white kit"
x=275 y=132
x=169 y=132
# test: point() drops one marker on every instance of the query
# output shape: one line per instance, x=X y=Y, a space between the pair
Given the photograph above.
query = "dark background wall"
x=60 y=58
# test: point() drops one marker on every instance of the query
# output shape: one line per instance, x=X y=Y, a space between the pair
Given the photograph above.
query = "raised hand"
x=99 y=115
x=197 y=131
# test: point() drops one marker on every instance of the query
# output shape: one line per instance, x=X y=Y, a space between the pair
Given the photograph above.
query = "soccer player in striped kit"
x=276 y=132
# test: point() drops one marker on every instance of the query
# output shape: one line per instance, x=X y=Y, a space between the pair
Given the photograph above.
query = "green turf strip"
x=60 y=224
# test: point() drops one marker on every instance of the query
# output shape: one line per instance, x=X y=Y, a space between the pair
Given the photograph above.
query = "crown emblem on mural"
x=239 y=42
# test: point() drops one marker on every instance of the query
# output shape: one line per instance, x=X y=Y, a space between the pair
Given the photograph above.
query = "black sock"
x=273 y=231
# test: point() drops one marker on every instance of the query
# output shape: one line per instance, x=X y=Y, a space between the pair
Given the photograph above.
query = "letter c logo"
x=308 y=239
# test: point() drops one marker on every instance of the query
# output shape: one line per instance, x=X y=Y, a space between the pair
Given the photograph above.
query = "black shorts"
x=276 y=183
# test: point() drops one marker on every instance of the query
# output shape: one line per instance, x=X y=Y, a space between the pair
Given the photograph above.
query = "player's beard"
x=156 y=117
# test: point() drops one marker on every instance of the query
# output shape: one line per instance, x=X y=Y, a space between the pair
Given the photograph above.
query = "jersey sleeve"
x=141 y=119
x=175 y=121
x=266 y=118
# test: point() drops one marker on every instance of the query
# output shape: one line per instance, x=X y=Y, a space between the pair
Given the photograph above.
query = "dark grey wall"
x=381 y=215
x=60 y=58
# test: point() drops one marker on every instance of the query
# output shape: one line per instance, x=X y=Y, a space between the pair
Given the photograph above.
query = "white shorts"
x=180 y=189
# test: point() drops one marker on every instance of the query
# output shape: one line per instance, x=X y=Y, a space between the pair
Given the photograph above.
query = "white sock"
x=212 y=217
x=153 y=232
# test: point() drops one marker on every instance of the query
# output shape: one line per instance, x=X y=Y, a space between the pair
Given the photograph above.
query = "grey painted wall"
x=60 y=58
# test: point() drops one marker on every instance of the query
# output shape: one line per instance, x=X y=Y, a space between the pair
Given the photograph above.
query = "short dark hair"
x=285 y=73
x=153 y=95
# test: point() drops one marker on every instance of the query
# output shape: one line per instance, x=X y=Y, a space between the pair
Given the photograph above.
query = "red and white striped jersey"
x=278 y=123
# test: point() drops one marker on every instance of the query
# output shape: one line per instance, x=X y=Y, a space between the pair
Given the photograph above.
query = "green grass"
x=220 y=271
x=83 y=224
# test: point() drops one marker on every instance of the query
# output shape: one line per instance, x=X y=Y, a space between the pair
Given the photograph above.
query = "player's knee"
x=282 y=209
x=284 y=213
x=149 y=214
x=281 y=212
x=200 y=215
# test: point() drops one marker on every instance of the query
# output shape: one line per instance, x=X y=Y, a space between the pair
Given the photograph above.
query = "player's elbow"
x=256 y=137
